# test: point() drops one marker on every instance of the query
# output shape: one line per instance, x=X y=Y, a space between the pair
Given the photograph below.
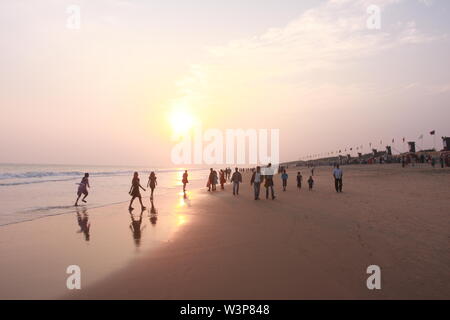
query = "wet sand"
x=303 y=245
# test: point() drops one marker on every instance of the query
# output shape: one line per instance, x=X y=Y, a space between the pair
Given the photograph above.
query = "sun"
x=181 y=122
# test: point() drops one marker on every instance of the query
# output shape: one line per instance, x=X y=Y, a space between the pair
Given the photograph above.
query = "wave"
x=37 y=176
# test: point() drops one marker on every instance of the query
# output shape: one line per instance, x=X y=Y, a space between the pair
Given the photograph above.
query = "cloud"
x=306 y=53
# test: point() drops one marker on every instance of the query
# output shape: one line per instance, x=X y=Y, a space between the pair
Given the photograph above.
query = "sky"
x=110 y=91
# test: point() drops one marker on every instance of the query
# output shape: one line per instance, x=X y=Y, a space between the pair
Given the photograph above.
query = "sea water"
x=28 y=192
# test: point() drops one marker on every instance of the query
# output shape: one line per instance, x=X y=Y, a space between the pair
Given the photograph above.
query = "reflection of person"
x=83 y=222
x=153 y=214
x=236 y=179
x=82 y=188
x=256 y=182
x=135 y=191
x=152 y=183
x=337 y=174
x=136 y=229
x=185 y=180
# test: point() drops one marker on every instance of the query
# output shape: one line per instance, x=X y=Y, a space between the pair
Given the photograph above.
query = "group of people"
x=258 y=178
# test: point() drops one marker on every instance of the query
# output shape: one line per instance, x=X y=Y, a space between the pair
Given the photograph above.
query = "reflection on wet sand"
x=83 y=222
x=153 y=214
x=185 y=200
x=136 y=229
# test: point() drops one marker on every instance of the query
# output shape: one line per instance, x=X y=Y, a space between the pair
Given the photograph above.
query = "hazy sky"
x=104 y=94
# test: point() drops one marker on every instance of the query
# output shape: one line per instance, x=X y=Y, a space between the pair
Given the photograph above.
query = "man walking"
x=236 y=179
x=256 y=182
x=337 y=174
x=268 y=181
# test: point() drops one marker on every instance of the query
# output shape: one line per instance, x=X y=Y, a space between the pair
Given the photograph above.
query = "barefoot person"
x=152 y=183
x=337 y=174
x=82 y=189
x=185 y=180
x=135 y=191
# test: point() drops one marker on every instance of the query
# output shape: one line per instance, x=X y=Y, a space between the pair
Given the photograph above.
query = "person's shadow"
x=136 y=228
x=153 y=214
x=83 y=222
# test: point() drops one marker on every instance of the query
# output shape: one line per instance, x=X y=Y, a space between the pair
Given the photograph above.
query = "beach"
x=302 y=245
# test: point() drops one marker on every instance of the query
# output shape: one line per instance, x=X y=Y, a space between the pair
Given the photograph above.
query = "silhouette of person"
x=135 y=191
x=299 y=180
x=152 y=183
x=268 y=181
x=82 y=189
x=185 y=180
x=310 y=183
x=222 y=179
x=210 y=179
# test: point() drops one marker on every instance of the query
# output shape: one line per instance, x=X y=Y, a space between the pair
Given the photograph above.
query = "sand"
x=303 y=245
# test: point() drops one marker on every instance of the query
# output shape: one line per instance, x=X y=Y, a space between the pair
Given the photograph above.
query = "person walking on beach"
x=337 y=174
x=210 y=179
x=82 y=189
x=185 y=180
x=441 y=160
x=284 y=177
x=299 y=180
x=236 y=179
x=135 y=191
x=152 y=183
x=222 y=179
x=268 y=181
x=256 y=182
x=310 y=183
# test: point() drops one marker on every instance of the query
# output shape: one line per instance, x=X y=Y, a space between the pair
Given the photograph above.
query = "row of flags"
x=337 y=152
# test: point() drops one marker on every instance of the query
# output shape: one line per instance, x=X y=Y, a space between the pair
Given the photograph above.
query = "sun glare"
x=182 y=122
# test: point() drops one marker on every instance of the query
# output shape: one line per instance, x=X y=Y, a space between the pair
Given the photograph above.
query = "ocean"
x=29 y=192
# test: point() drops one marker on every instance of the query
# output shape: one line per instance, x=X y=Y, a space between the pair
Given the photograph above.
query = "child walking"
x=152 y=183
x=310 y=183
x=284 y=177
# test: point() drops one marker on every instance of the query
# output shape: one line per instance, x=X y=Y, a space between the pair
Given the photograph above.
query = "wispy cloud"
x=321 y=40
